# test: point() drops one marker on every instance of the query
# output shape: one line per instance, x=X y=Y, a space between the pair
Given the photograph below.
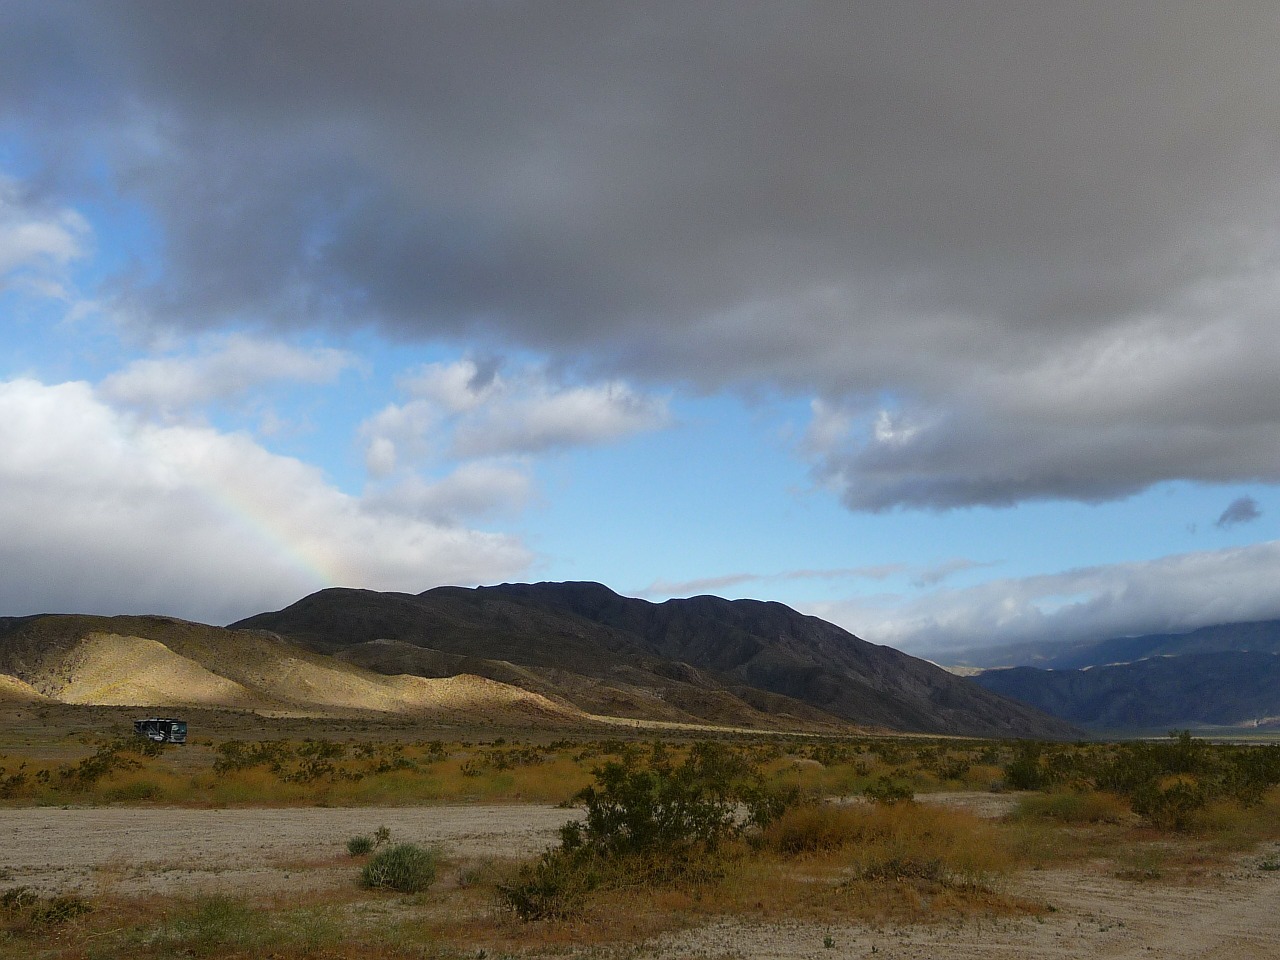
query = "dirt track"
x=140 y=851
x=1096 y=917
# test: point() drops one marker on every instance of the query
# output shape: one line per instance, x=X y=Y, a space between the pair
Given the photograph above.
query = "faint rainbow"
x=271 y=531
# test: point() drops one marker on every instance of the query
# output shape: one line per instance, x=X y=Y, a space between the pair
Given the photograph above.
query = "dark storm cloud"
x=1239 y=510
x=978 y=212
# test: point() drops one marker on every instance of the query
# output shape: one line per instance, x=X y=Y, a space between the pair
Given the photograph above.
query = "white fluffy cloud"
x=1171 y=594
x=37 y=243
x=487 y=412
x=229 y=368
x=534 y=416
x=103 y=512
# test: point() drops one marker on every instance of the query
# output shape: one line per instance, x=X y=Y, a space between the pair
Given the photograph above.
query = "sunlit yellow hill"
x=110 y=662
x=13 y=689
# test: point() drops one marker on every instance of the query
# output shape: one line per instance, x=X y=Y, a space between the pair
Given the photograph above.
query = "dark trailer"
x=162 y=729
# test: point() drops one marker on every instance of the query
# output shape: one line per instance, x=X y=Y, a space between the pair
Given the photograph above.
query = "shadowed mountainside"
x=701 y=658
x=1226 y=674
x=1233 y=688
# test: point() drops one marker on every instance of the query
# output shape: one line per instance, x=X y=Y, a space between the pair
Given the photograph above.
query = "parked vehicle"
x=162 y=729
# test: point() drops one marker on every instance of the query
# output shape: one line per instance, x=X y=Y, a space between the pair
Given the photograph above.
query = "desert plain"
x=180 y=871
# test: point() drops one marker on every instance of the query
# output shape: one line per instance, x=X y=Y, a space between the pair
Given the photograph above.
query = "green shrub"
x=405 y=867
x=646 y=825
x=1024 y=771
x=1173 y=807
x=671 y=810
x=111 y=757
x=887 y=790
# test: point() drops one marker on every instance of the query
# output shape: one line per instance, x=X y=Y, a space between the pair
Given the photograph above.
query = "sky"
x=953 y=322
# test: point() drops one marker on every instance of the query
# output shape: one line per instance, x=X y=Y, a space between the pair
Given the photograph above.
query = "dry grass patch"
x=902 y=841
x=1070 y=807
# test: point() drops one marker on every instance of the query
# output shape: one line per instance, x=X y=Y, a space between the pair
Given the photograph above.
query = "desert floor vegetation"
x=403 y=767
x=658 y=837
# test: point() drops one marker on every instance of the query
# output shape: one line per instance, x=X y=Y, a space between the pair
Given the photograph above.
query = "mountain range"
x=1225 y=675
x=554 y=652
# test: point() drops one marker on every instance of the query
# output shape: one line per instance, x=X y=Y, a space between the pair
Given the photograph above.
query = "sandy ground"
x=138 y=851
x=1234 y=918
x=159 y=850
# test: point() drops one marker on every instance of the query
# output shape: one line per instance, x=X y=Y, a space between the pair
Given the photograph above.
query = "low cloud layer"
x=686 y=588
x=103 y=512
x=1170 y=594
x=1023 y=251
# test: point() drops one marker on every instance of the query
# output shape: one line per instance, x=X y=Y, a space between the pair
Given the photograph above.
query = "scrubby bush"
x=887 y=790
x=1170 y=783
x=361 y=845
x=813 y=828
x=1171 y=806
x=405 y=867
x=22 y=908
x=660 y=823
x=903 y=867
x=11 y=784
x=112 y=756
x=555 y=886
x=1024 y=771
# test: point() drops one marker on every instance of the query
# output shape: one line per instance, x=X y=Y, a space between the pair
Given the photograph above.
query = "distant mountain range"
x=701 y=659
x=1226 y=675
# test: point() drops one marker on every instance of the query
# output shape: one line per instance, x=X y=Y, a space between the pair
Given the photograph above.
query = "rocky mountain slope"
x=703 y=658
